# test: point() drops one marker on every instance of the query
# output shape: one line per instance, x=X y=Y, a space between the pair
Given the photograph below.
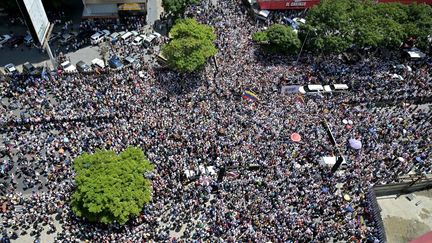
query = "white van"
x=126 y=36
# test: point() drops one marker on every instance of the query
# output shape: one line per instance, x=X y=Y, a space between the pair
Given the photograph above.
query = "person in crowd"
x=183 y=122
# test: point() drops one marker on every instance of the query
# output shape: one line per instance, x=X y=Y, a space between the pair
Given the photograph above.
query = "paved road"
x=154 y=10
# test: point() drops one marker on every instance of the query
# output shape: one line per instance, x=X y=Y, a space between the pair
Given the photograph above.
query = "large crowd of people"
x=273 y=189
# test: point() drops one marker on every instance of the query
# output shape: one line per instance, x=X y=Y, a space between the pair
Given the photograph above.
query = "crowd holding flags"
x=249 y=95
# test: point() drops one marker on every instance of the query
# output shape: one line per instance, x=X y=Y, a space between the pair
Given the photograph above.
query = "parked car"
x=83 y=67
x=28 y=68
x=99 y=36
x=130 y=60
x=115 y=63
x=126 y=35
x=68 y=67
x=16 y=40
x=335 y=88
x=134 y=33
x=28 y=40
x=149 y=40
x=98 y=63
x=137 y=41
x=311 y=88
x=66 y=38
x=10 y=68
x=290 y=22
x=114 y=36
x=54 y=36
x=263 y=14
x=4 y=39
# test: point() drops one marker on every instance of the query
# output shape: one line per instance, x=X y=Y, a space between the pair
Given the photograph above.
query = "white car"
x=335 y=88
x=114 y=36
x=98 y=63
x=10 y=68
x=134 y=33
x=99 y=36
x=68 y=67
x=299 y=21
x=148 y=41
x=4 y=39
x=311 y=89
x=137 y=41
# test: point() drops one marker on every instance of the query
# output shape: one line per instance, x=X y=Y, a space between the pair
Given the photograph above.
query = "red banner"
x=304 y=4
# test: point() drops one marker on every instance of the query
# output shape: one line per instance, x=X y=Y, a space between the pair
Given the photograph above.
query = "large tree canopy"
x=335 y=25
x=110 y=187
x=177 y=6
x=191 y=45
x=278 y=38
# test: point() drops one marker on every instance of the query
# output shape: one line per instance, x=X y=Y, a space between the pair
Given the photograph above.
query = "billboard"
x=35 y=18
x=304 y=4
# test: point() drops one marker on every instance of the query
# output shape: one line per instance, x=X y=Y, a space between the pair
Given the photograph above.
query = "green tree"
x=177 y=7
x=339 y=24
x=110 y=187
x=191 y=45
x=332 y=25
x=419 y=23
x=278 y=39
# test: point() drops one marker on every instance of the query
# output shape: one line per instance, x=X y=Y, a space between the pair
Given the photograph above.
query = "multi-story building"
x=113 y=8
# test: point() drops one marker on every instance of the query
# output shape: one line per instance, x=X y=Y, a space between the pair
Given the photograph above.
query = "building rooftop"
x=406 y=217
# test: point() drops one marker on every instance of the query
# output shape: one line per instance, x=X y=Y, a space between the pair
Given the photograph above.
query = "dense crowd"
x=274 y=189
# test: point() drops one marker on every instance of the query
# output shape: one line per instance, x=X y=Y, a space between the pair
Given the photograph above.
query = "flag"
x=249 y=95
x=300 y=99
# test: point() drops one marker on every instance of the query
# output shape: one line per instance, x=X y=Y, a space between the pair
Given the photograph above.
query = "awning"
x=131 y=7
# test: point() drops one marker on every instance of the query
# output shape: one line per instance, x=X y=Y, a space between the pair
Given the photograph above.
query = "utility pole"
x=301 y=49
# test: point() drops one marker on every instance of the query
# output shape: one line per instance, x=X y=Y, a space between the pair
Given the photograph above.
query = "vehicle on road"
x=130 y=60
x=311 y=89
x=126 y=35
x=98 y=63
x=4 y=39
x=99 y=36
x=15 y=41
x=68 y=67
x=115 y=63
x=83 y=67
x=137 y=41
x=54 y=37
x=66 y=38
x=28 y=40
x=10 y=69
x=114 y=36
x=28 y=68
x=150 y=39
x=335 y=88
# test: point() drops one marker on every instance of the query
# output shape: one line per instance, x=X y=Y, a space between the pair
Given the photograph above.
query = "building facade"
x=113 y=8
x=305 y=4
